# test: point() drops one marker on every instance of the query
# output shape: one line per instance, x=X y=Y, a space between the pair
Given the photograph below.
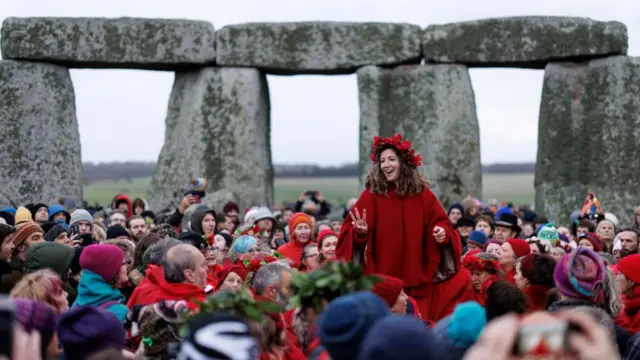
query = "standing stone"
x=39 y=138
x=217 y=127
x=135 y=43
x=602 y=132
x=434 y=107
x=523 y=41
x=319 y=47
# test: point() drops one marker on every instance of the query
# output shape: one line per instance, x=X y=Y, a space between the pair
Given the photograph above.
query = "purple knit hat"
x=580 y=275
x=34 y=315
x=87 y=330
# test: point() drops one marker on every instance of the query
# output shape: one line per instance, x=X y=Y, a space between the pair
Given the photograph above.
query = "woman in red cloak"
x=398 y=228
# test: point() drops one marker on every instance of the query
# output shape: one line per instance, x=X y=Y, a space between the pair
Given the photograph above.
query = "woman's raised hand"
x=359 y=223
x=439 y=233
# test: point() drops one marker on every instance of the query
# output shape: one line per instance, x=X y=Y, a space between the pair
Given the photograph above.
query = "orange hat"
x=299 y=218
x=24 y=230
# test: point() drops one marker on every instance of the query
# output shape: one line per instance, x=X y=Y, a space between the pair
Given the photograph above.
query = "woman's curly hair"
x=410 y=181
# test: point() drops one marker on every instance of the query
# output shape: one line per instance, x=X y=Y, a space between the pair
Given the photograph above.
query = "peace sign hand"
x=359 y=223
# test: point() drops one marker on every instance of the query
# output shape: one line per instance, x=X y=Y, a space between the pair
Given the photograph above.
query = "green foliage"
x=241 y=303
x=328 y=282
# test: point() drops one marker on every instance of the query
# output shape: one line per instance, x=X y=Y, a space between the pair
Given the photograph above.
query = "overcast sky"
x=314 y=118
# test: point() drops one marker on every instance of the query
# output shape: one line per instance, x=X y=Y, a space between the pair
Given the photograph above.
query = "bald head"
x=179 y=259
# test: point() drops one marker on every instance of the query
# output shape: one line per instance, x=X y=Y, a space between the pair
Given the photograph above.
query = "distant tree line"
x=135 y=169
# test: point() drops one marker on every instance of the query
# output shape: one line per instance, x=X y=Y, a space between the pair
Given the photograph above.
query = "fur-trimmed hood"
x=128 y=246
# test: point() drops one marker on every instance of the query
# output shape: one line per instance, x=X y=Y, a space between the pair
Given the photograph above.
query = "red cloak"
x=400 y=243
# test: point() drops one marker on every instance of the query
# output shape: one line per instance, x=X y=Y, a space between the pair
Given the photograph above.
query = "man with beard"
x=137 y=227
x=272 y=282
x=628 y=242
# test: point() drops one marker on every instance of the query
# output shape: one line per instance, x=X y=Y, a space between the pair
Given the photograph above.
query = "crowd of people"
x=390 y=275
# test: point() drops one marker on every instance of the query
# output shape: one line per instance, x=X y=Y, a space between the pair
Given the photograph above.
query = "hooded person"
x=57 y=212
x=26 y=235
x=101 y=278
x=54 y=256
x=301 y=234
x=120 y=201
x=203 y=221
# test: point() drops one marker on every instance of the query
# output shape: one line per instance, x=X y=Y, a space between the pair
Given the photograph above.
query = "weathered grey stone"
x=525 y=42
x=39 y=138
x=217 y=127
x=317 y=47
x=137 y=43
x=588 y=136
x=434 y=107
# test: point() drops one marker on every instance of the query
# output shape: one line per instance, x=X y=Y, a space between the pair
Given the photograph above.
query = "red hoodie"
x=154 y=288
x=125 y=198
x=293 y=249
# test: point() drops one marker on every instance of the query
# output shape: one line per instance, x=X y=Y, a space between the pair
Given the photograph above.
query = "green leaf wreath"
x=328 y=282
x=241 y=303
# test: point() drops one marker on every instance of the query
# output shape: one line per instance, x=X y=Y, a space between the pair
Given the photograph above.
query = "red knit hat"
x=102 y=259
x=323 y=234
x=520 y=247
x=630 y=267
x=526 y=265
x=228 y=269
x=388 y=289
x=594 y=239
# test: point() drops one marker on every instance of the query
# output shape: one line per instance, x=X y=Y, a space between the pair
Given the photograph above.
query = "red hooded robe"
x=400 y=243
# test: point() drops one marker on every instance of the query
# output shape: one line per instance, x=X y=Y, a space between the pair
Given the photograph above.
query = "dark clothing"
x=8 y=281
x=324 y=209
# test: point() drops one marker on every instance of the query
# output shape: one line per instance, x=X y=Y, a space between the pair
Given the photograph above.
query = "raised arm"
x=356 y=230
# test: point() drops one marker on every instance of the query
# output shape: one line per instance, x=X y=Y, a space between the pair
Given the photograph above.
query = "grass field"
x=513 y=187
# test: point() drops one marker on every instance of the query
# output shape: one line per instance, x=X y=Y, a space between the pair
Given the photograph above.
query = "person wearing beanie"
x=579 y=277
x=22 y=215
x=346 y=321
x=87 y=330
x=26 y=234
x=457 y=332
x=58 y=233
x=57 y=212
x=104 y=272
x=477 y=240
x=549 y=233
x=464 y=227
x=117 y=231
x=40 y=213
x=6 y=248
x=534 y=276
x=590 y=241
x=512 y=250
x=214 y=336
x=455 y=212
x=327 y=241
x=400 y=338
x=390 y=290
x=300 y=227
x=629 y=280
x=484 y=269
x=82 y=221
x=36 y=316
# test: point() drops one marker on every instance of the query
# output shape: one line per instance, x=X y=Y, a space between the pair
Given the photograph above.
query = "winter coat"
x=94 y=291
x=53 y=256
x=8 y=281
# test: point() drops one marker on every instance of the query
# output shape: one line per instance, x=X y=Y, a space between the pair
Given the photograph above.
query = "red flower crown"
x=473 y=263
x=261 y=259
x=396 y=141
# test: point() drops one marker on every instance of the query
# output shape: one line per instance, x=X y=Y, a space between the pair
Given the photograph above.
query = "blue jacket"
x=94 y=291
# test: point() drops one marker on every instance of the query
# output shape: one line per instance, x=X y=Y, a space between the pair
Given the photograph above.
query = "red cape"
x=400 y=243
x=154 y=288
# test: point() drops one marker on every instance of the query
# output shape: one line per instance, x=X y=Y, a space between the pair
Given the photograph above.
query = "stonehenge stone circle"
x=217 y=126
x=411 y=79
x=151 y=44
x=592 y=115
x=39 y=139
x=523 y=42
x=317 y=47
x=429 y=104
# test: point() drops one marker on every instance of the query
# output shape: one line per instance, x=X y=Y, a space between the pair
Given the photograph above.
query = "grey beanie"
x=80 y=215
